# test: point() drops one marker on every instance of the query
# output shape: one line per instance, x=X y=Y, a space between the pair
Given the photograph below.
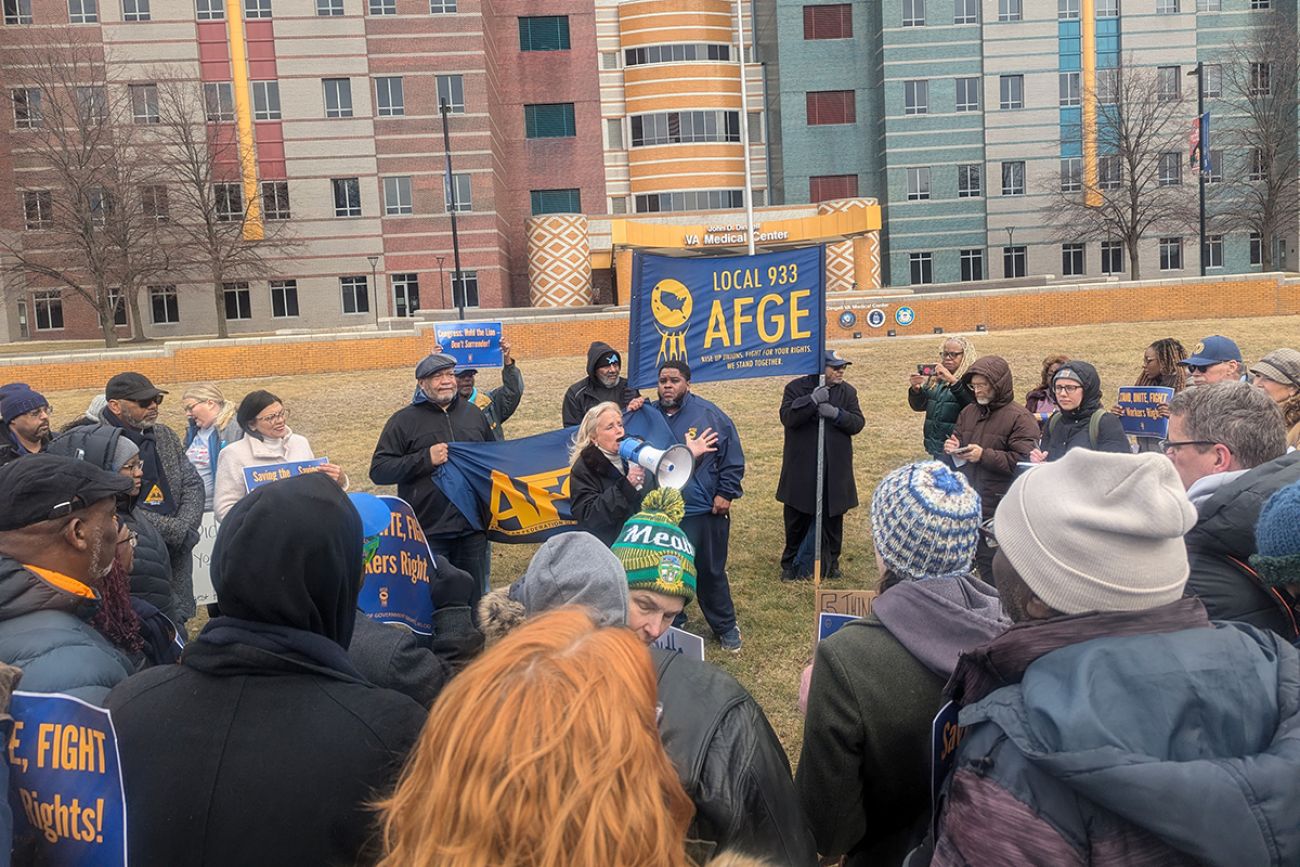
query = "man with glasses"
x=1215 y=359
x=171 y=490
x=1228 y=444
x=24 y=421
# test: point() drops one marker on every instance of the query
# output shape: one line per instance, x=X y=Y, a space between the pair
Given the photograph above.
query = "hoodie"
x=1069 y=428
x=587 y=392
x=1006 y=430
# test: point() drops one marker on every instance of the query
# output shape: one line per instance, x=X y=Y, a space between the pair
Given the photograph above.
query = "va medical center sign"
x=729 y=317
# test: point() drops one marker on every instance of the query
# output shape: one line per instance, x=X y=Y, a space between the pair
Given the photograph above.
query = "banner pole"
x=821 y=477
x=744 y=128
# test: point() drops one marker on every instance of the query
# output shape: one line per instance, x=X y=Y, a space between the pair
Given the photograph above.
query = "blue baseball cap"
x=1213 y=350
x=834 y=359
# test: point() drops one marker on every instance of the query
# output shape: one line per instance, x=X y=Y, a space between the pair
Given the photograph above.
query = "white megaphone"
x=672 y=467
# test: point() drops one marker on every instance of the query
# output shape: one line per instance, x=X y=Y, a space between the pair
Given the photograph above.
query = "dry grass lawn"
x=342 y=415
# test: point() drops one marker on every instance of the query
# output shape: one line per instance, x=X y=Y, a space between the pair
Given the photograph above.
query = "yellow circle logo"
x=1198 y=349
x=671 y=303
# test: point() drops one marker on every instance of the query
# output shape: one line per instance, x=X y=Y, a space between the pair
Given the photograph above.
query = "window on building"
x=755 y=119
x=1011 y=90
x=356 y=294
x=99 y=202
x=1256 y=249
x=219 y=102
x=1169 y=83
x=544 y=33
x=164 y=305
x=1212 y=79
x=916 y=97
x=1108 y=86
x=1071 y=93
x=464 y=288
x=556 y=201
x=390 y=98
x=239 y=300
x=230 y=202
x=614 y=133
x=685 y=126
x=329 y=8
x=275 y=200
x=442 y=7
x=135 y=10
x=284 y=298
x=1112 y=257
x=1166 y=7
x=254 y=9
x=118 y=304
x=266 y=100
x=49 y=309
x=970 y=181
x=1009 y=10
x=825 y=188
x=1209 y=5
x=1072 y=260
x=1171 y=254
x=451 y=90
x=972 y=265
x=618 y=205
x=922 y=267
x=1014 y=261
x=397 y=196
x=92 y=104
x=338 y=97
x=1258 y=165
x=83 y=11
x=830 y=107
x=38 y=209
x=406 y=293
x=968 y=94
x=1107 y=8
x=1013 y=178
x=1071 y=174
x=676 y=53
x=689 y=200
x=918 y=184
x=347 y=197
x=18 y=11
x=913 y=13
x=154 y=202
x=966 y=12
x=1109 y=173
x=210 y=10
x=381 y=7
x=829 y=21
x=549 y=120
x=464 y=193
x=144 y=103
x=27 y=107
x=1067 y=9
x=1215 y=173
x=1261 y=4
x=1169 y=172
x=1261 y=75
x=1213 y=251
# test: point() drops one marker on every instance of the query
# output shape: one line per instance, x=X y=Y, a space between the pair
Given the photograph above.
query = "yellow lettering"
x=776 y=319
x=534 y=505
x=739 y=317
x=797 y=313
x=717 y=329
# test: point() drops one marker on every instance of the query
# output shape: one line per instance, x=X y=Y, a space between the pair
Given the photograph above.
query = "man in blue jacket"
x=709 y=493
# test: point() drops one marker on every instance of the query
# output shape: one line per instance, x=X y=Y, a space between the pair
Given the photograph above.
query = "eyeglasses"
x=156 y=400
x=1170 y=445
x=40 y=412
x=274 y=418
x=132 y=538
x=1201 y=368
x=189 y=407
x=1067 y=389
x=134 y=466
x=951 y=354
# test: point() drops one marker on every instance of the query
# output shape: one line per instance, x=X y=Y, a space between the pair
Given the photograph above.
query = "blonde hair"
x=205 y=391
x=967 y=350
x=586 y=434
x=544 y=752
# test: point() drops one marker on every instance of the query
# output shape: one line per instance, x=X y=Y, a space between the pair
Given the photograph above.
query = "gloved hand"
x=821 y=394
x=450 y=587
x=825 y=410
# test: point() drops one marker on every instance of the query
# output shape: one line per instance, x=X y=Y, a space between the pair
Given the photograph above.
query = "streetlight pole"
x=444 y=109
x=1202 y=136
x=1010 y=258
x=442 y=290
x=374 y=261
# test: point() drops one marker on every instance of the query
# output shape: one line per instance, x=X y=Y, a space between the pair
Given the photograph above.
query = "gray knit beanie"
x=574 y=569
x=1098 y=531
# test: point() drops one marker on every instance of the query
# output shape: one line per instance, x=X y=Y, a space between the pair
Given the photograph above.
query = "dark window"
x=356 y=294
x=1112 y=257
x=831 y=21
x=239 y=301
x=49 y=310
x=972 y=265
x=284 y=298
x=689 y=200
x=1072 y=258
x=347 y=197
x=675 y=127
x=464 y=288
x=556 y=201
x=18 y=11
x=549 y=120
x=164 y=305
x=544 y=33
x=1014 y=262
x=38 y=207
x=154 y=202
x=1171 y=254
x=27 y=108
x=922 y=267
x=275 y=200
x=406 y=294
x=676 y=53
x=1256 y=249
x=831 y=106
x=823 y=188
x=118 y=303
x=230 y=202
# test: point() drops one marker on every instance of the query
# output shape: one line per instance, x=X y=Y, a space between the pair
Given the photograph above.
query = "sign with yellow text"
x=396 y=588
x=728 y=317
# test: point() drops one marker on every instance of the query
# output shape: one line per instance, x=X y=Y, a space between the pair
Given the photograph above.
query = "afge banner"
x=729 y=317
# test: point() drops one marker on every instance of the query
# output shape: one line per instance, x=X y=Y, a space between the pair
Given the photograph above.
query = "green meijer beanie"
x=654 y=551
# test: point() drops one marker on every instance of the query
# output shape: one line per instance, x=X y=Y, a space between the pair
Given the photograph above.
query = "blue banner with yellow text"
x=396 y=588
x=728 y=317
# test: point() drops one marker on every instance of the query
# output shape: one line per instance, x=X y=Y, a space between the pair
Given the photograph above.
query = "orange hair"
x=544 y=752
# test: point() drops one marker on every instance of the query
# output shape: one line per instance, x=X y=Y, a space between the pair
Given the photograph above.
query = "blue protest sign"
x=828 y=624
x=1139 y=410
x=945 y=737
x=471 y=343
x=264 y=474
x=728 y=317
x=65 y=781
x=680 y=641
x=396 y=588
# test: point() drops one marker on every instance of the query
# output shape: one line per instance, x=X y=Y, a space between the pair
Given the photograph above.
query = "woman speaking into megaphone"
x=605 y=489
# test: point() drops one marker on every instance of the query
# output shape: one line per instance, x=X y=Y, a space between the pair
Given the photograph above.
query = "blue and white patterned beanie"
x=925 y=519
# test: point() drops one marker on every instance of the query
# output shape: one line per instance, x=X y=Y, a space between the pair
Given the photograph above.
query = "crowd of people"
x=1111 y=621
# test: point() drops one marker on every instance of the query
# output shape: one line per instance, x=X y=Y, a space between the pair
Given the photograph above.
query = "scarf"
x=155 y=493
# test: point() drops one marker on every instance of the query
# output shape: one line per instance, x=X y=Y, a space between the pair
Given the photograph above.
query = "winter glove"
x=450 y=587
x=825 y=410
x=821 y=394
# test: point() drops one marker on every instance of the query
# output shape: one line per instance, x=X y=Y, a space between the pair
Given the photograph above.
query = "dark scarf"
x=154 y=477
x=308 y=650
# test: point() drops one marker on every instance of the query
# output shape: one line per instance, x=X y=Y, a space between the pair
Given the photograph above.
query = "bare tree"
x=1259 y=81
x=87 y=225
x=217 y=222
x=1142 y=123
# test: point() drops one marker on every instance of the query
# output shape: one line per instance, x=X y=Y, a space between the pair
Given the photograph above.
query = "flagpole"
x=744 y=126
x=821 y=477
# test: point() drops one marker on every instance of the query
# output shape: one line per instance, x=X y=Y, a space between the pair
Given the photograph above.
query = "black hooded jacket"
x=1068 y=428
x=280 y=742
x=587 y=392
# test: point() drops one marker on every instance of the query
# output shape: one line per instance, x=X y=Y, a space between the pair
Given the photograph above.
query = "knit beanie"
x=1277 y=538
x=17 y=398
x=1098 y=531
x=573 y=569
x=654 y=551
x=249 y=408
x=925 y=521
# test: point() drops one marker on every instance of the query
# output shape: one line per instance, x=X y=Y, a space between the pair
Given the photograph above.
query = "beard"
x=100 y=565
x=983 y=401
x=669 y=402
x=608 y=380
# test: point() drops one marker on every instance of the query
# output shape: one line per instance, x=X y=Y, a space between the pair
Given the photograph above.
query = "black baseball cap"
x=131 y=386
x=39 y=487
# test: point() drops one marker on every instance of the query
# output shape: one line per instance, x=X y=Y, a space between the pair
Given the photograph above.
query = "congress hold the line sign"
x=728 y=317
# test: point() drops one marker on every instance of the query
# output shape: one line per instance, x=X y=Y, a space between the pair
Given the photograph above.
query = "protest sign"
x=65 y=782
x=1139 y=410
x=472 y=344
x=396 y=587
x=828 y=624
x=264 y=474
x=839 y=607
x=686 y=643
x=204 y=592
x=728 y=317
x=945 y=736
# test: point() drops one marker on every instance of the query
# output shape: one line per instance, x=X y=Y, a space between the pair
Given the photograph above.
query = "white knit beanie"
x=1098 y=531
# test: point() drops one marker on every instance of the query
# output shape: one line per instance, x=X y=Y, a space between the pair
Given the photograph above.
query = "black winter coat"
x=730 y=763
x=587 y=392
x=402 y=458
x=151 y=570
x=1225 y=529
x=797 y=487
x=1068 y=429
x=601 y=499
x=419 y=666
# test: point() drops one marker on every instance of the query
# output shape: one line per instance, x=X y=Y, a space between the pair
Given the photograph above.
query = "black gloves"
x=449 y=586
